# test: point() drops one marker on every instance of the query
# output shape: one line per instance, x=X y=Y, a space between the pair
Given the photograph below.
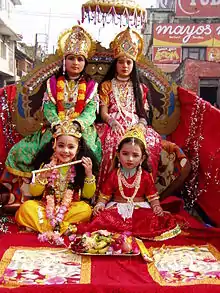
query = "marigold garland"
x=80 y=104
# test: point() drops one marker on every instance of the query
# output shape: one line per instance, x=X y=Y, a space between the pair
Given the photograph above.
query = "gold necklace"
x=71 y=91
x=137 y=181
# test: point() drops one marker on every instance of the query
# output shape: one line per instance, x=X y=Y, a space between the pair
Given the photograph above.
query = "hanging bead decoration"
x=120 y=12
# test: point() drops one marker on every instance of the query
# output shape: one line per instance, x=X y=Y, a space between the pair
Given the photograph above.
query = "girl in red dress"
x=128 y=200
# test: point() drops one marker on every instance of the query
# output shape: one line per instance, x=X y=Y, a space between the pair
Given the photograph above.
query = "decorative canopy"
x=118 y=12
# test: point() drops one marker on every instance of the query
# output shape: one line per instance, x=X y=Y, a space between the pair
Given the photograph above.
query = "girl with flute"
x=61 y=186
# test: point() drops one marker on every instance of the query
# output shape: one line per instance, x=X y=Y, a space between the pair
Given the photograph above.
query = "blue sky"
x=33 y=17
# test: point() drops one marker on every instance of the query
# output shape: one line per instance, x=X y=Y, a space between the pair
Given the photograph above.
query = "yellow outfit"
x=31 y=212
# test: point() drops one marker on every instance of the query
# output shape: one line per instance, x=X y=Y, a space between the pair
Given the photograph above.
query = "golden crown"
x=66 y=127
x=135 y=132
x=127 y=43
x=76 y=41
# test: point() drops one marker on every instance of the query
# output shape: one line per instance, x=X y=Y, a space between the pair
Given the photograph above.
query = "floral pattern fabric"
x=43 y=266
x=185 y=265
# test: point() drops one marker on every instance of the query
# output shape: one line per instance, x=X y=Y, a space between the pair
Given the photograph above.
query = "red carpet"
x=119 y=274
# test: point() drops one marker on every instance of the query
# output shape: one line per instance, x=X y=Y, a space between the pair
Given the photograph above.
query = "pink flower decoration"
x=10 y=273
x=72 y=237
x=56 y=280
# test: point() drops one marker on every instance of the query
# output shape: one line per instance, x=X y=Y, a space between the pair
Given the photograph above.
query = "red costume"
x=141 y=221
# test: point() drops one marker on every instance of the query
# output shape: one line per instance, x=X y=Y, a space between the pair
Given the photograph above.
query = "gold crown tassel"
x=127 y=43
x=135 y=132
x=66 y=127
x=76 y=41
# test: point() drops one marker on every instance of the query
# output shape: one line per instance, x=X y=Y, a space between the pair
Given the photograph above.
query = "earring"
x=119 y=164
x=64 y=66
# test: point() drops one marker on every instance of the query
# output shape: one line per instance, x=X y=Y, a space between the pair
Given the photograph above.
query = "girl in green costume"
x=70 y=93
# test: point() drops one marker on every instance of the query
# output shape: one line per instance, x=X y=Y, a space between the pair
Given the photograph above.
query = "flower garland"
x=80 y=103
x=55 y=208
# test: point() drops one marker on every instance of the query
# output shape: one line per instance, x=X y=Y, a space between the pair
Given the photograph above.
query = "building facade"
x=24 y=59
x=181 y=30
x=8 y=38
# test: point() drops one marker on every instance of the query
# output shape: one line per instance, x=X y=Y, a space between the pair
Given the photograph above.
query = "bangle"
x=99 y=204
x=154 y=198
x=90 y=180
x=143 y=121
x=42 y=181
x=104 y=197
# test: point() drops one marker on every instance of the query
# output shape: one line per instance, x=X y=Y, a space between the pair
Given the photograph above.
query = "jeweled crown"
x=76 y=41
x=135 y=132
x=127 y=43
x=66 y=127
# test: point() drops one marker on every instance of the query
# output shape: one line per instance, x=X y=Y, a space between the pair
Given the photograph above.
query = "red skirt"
x=144 y=224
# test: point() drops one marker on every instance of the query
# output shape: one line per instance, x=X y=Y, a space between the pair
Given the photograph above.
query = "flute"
x=52 y=168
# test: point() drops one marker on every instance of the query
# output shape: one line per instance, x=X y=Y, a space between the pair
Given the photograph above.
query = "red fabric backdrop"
x=5 y=144
x=210 y=145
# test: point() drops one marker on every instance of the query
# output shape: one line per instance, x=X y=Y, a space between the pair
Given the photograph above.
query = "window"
x=194 y=53
x=3 y=50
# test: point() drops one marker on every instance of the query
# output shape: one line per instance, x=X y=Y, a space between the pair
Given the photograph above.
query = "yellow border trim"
x=154 y=273
x=19 y=173
x=166 y=235
x=85 y=270
x=85 y=275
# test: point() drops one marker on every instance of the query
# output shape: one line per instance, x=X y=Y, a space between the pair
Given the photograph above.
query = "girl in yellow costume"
x=70 y=94
x=60 y=207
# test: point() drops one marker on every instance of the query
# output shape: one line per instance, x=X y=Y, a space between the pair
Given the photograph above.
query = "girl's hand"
x=157 y=209
x=116 y=126
x=100 y=206
x=87 y=164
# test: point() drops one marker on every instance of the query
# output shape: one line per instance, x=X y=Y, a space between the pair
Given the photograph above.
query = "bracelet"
x=143 y=121
x=99 y=204
x=156 y=205
x=90 y=180
x=42 y=181
x=154 y=198
x=104 y=197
